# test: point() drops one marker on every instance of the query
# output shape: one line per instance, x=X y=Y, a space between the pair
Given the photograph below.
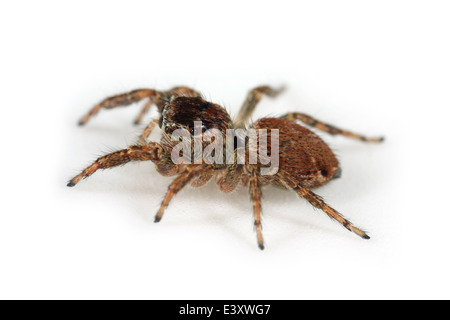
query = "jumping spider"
x=305 y=161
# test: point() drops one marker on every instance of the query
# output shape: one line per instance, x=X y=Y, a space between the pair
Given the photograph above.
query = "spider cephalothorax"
x=193 y=117
x=192 y=127
x=184 y=111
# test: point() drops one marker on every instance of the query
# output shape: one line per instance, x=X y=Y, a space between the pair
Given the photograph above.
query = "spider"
x=305 y=160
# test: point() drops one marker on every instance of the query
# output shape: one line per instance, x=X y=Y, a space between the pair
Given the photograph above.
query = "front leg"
x=179 y=183
x=147 y=131
x=152 y=151
x=154 y=97
x=125 y=99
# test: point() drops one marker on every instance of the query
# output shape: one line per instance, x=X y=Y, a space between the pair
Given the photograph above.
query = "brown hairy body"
x=305 y=160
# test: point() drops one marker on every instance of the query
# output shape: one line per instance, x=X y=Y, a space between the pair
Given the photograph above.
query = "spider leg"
x=179 y=183
x=310 y=121
x=203 y=178
x=147 y=131
x=229 y=179
x=318 y=202
x=125 y=99
x=151 y=151
x=144 y=111
x=161 y=98
x=181 y=91
x=255 y=195
x=249 y=105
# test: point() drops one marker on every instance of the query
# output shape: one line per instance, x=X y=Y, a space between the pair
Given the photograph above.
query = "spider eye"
x=195 y=130
x=163 y=107
x=166 y=129
x=160 y=122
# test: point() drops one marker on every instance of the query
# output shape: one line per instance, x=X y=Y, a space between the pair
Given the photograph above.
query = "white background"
x=375 y=67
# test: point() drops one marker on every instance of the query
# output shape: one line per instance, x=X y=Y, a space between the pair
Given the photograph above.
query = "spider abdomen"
x=302 y=153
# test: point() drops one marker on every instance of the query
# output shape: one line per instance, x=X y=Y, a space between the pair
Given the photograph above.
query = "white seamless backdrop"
x=379 y=68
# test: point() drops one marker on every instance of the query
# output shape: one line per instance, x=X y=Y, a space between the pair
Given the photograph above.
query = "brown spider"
x=305 y=161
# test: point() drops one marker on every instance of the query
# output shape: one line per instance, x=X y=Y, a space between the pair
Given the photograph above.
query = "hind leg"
x=310 y=121
x=318 y=202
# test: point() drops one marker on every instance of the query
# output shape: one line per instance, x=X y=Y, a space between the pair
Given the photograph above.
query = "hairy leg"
x=179 y=183
x=162 y=97
x=155 y=97
x=151 y=151
x=318 y=202
x=144 y=111
x=310 y=121
x=203 y=178
x=181 y=92
x=147 y=131
x=123 y=99
x=255 y=195
x=253 y=97
x=229 y=178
